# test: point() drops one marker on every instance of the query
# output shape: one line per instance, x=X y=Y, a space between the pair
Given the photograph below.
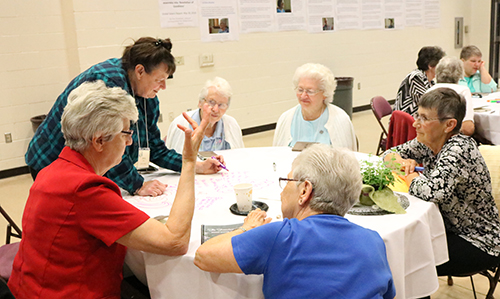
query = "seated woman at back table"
x=477 y=77
x=416 y=83
x=315 y=119
x=449 y=71
x=76 y=225
x=314 y=252
x=223 y=131
x=456 y=178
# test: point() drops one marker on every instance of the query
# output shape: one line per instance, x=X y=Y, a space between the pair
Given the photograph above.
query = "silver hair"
x=469 y=51
x=335 y=176
x=221 y=86
x=94 y=110
x=449 y=70
x=316 y=71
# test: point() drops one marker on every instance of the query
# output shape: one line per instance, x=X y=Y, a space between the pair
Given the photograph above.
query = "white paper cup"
x=243 y=197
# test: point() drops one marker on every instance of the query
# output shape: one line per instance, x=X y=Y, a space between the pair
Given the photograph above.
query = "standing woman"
x=416 y=83
x=141 y=72
x=315 y=119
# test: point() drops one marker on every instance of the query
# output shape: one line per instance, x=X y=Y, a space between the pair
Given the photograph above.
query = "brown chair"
x=381 y=108
x=9 y=250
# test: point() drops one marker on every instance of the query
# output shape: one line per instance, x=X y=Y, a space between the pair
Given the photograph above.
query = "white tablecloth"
x=487 y=117
x=415 y=241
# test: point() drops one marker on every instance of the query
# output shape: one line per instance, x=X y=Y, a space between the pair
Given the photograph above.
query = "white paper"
x=218 y=21
x=414 y=12
x=431 y=13
x=293 y=17
x=348 y=14
x=257 y=15
x=321 y=16
x=371 y=14
x=394 y=14
x=178 y=13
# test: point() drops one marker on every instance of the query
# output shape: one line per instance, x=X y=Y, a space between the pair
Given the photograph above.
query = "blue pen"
x=419 y=168
x=220 y=164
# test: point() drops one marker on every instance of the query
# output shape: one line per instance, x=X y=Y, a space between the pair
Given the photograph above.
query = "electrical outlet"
x=171 y=116
x=8 y=137
x=179 y=60
x=160 y=118
x=359 y=85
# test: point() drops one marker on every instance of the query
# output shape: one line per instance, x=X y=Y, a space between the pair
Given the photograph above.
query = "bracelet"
x=242 y=228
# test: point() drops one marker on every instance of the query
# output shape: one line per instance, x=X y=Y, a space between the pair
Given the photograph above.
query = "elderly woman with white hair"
x=223 y=131
x=314 y=252
x=76 y=225
x=449 y=71
x=315 y=119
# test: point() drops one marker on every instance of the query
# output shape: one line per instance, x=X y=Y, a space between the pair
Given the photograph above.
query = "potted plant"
x=377 y=177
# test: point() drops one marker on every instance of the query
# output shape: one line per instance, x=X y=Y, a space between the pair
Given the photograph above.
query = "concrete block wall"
x=43 y=46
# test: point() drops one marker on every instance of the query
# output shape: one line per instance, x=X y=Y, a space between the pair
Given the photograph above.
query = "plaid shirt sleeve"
x=125 y=174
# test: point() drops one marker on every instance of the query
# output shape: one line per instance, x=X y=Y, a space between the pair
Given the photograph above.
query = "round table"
x=415 y=241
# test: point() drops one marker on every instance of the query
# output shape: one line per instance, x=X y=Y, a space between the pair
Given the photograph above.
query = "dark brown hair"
x=149 y=52
x=429 y=56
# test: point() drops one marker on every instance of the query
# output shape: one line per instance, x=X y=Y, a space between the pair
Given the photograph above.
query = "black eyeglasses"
x=128 y=132
x=281 y=180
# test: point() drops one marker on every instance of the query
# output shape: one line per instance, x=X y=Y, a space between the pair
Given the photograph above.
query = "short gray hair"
x=449 y=70
x=335 y=176
x=447 y=103
x=318 y=72
x=94 y=110
x=221 y=86
x=469 y=51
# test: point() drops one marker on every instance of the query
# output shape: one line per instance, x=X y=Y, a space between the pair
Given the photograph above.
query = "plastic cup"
x=243 y=196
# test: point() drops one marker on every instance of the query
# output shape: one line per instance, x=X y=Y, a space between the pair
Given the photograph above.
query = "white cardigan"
x=175 y=136
x=339 y=127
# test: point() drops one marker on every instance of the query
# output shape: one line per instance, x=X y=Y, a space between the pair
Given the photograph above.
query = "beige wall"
x=44 y=44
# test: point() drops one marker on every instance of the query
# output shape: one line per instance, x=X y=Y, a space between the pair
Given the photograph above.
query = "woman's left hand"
x=210 y=165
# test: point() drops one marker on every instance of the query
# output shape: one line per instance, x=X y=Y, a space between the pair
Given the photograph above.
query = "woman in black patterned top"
x=419 y=80
x=456 y=178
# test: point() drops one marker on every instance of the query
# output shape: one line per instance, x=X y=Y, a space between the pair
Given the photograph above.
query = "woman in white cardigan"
x=223 y=132
x=315 y=119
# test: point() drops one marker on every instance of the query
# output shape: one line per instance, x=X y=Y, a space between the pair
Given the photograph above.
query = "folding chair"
x=9 y=250
x=381 y=108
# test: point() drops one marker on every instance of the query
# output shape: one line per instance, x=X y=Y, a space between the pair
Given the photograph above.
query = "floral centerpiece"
x=377 y=177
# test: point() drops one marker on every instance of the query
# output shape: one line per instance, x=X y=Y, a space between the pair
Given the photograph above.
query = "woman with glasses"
x=142 y=72
x=315 y=119
x=456 y=178
x=223 y=131
x=76 y=225
x=314 y=252
x=449 y=71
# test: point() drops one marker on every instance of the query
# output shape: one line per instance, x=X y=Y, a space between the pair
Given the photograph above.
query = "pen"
x=419 y=168
x=220 y=164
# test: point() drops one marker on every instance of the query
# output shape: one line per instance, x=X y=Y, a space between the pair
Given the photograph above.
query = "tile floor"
x=15 y=190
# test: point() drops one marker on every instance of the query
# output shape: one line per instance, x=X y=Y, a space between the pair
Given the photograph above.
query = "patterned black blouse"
x=458 y=181
x=411 y=90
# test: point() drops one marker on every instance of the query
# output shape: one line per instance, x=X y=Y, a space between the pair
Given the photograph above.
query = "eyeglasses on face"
x=309 y=92
x=284 y=181
x=424 y=119
x=212 y=104
x=128 y=132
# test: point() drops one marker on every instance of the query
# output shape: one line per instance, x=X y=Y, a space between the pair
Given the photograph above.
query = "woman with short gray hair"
x=455 y=178
x=477 y=78
x=76 y=225
x=223 y=131
x=315 y=119
x=314 y=243
x=449 y=71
